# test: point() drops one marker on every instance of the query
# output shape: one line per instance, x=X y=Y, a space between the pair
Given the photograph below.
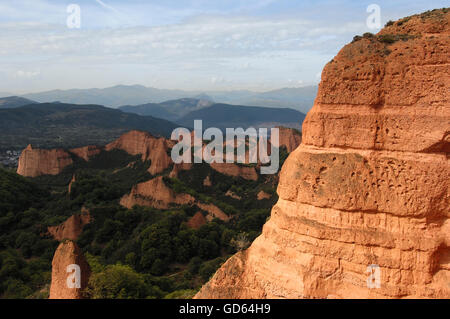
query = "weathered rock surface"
x=150 y=147
x=229 y=193
x=68 y=253
x=156 y=194
x=263 y=195
x=289 y=138
x=231 y=169
x=37 y=162
x=86 y=152
x=71 y=228
x=213 y=211
x=72 y=181
x=207 y=181
x=370 y=182
x=178 y=168
x=197 y=221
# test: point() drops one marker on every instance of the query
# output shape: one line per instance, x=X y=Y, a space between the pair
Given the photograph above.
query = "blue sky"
x=184 y=44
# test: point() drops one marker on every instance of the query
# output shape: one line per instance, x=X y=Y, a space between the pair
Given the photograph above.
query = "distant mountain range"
x=51 y=125
x=233 y=116
x=300 y=99
x=170 y=110
x=14 y=101
x=71 y=125
x=220 y=115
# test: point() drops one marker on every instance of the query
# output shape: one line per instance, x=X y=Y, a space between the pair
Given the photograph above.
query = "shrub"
x=117 y=281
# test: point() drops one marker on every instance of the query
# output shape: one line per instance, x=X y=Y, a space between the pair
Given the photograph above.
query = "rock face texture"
x=150 y=147
x=263 y=195
x=86 y=152
x=68 y=254
x=178 y=168
x=37 y=162
x=71 y=228
x=156 y=194
x=235 y=170
x=73 y=180
x=197 y=221
x=370 y=183
x=289 y=138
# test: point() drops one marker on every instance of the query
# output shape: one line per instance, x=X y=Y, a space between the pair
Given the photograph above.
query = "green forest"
x=141 y=252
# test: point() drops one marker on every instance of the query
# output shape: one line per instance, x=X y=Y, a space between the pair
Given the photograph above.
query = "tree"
x=240 y=242
x=117 y=282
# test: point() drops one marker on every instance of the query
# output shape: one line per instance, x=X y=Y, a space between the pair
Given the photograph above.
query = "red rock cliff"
x=71 y=228
x=37 y=162
x=150 y=147
x=68 y=254
x=370 y=183
x=86 y=152
x=289 y=138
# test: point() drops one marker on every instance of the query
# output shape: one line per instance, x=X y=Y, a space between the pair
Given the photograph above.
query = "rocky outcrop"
x=370 y=183
x=72 y=181
x=263 y=195
x=71 y=228
x=229 y=193
x=37 y=162
x=68 y=262
x=196 y=221
x=178 y=168
x=151 y=148
x=154 y=193
x=231 y=169
x=207 y=181
x=213 y=212
x=290 y=138
x=86 y=152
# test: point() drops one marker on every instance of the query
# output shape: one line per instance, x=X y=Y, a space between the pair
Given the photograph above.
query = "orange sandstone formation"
x=290 y=138
x=156 y=194
x=235 y=170
x=213 y=212
x=37 y=162
x=370 y=183
x=150 y=147
x=207 y=181
x=263 y=195
x=178 y=168
x=86 y=152
x=73 y=180
x=71 y=228
x=229 y=193
x=68 y=254
x=197 y=221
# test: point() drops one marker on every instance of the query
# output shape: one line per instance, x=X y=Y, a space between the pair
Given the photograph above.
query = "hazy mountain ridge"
x=67 y=125
x=169 y=110
x=224 y=115
x=14 y=101
x=298 y=98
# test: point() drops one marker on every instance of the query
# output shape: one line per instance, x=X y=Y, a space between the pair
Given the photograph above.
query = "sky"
x=180 y=44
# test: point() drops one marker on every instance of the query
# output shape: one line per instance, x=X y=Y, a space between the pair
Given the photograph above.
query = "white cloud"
x=250 y=52
x=26 y=74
